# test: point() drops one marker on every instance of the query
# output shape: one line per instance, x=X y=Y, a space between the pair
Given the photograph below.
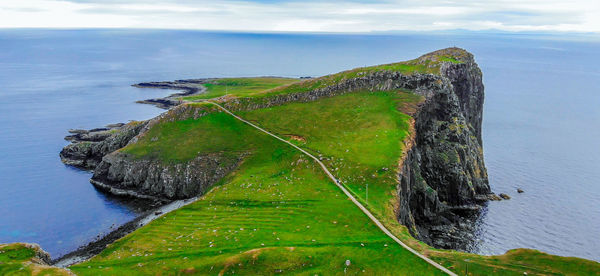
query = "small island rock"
x=504 y=196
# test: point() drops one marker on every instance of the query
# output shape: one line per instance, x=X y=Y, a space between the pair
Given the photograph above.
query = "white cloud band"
x=332 y=16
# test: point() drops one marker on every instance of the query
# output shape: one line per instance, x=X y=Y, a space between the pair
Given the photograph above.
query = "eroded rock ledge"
x=124 y=175
x=89 y=146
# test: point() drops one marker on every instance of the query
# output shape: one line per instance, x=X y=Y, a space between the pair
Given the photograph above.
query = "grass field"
x=304 y=225
x=277 y=213
x=359 y=135
x=20 y=259
x=239 y=87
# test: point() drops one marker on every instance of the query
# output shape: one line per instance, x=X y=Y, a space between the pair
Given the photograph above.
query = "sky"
x=356 y=16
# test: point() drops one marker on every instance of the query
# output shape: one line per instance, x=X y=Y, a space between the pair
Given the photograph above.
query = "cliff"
x=89 y=146
x=442 y=177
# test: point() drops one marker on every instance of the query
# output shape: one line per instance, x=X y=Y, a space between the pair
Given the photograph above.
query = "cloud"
x=311 y=16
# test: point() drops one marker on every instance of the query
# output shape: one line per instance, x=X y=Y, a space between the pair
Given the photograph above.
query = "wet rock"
x=520 y=191
x=494 y=197
x=504 y=196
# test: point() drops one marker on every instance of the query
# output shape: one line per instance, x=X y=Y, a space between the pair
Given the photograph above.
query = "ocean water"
x=540 y=131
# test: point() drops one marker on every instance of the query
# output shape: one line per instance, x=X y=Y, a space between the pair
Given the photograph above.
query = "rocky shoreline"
x=189 y=87
x=95 y=247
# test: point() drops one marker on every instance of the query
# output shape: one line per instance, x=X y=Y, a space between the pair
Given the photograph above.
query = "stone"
x=494 y=197
x=504 y=196
x=520 y=191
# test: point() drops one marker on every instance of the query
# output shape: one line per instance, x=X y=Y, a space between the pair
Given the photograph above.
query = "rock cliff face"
x=89 y=146
x=124 y=175
x=442 y=179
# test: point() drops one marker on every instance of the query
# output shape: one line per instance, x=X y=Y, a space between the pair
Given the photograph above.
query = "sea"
x=541 y=128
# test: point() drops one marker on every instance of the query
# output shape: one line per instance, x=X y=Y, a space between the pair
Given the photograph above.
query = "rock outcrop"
x=124 y=175
x=189 y=88
x=89 y=146
x=443 y=178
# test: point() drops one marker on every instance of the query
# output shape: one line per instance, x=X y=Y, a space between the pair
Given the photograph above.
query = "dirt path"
x=348 y=194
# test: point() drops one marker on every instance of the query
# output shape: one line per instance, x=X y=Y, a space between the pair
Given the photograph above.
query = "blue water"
x=541 y=121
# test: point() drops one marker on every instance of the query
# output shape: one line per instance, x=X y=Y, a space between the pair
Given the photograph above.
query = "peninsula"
x=375 y=170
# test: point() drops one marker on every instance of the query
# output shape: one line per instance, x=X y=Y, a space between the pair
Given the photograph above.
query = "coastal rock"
x=88 y=147
x=520 y=191
x=504 y=196
x=493 y=197
x=189 y=87
x=444 y=166
x=121 y=174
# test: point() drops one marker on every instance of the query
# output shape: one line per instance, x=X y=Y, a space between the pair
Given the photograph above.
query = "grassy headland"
x=290 y=203
x=278 y=213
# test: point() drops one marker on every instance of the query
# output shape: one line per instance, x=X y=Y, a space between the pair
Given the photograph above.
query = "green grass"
x=239 y=87
x=19 y=259
x=277 y=212
x=304 y=224
x=407 y=68
x=450 y=59
x=181 y=141
x=359 y=135
x=516 y=262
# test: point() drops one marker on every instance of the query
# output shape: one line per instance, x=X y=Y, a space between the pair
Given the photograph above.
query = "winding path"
x=348 y=194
